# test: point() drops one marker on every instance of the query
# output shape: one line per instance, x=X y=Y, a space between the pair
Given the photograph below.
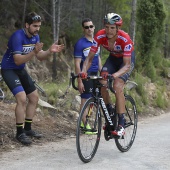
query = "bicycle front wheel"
x=125 y=143
x=88 y=130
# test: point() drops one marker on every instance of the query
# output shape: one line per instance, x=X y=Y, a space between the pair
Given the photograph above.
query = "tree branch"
x=42 y=8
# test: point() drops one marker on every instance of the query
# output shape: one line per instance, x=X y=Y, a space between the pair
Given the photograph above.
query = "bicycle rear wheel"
x=88 y=130
x=125 y=143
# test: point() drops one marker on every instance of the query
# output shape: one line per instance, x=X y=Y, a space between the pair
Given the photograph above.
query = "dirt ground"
x=53 y=127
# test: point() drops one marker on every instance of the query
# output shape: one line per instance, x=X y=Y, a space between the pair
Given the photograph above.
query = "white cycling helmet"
x=113 y=18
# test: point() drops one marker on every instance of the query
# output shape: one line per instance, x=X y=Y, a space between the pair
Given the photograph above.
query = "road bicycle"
x=88 y=132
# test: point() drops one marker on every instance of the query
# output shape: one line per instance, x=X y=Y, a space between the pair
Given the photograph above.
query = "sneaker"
x=24 y=139
x=120 y=131
x=91 y=133
x=32 y=133
x=87 y=126
x=88 y=130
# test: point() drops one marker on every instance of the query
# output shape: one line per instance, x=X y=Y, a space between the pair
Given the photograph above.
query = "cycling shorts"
x=114 y=64
x=18 y=81
x=88 y=86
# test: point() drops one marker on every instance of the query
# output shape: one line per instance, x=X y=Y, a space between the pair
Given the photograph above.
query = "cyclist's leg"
x=32 y=104
x=32 y=95
x=119 y=84
x=108 y=68
x=120 y=99
x=83 y=100
x=12 y=80
x=88 y=86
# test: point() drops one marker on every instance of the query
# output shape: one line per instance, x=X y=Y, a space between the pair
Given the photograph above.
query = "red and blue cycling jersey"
x=19 y=43
x=123 y=45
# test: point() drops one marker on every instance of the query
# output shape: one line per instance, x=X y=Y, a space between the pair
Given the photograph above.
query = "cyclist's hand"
x=56 y=48
x=38 y=47
x=110 y=77
x=82 y=75
x=104 y=75
x=81 y=87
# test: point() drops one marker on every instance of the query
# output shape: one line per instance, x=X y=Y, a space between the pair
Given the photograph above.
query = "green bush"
x=140 y=80
x=151 y=71
x=160 y=100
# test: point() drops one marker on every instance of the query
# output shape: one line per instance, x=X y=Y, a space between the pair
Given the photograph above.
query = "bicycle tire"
x=87 y=144
x=2 y=96
x=131 y=119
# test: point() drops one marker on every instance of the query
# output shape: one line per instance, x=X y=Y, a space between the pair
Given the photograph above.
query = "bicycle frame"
x=100 y=101
x=97 y=95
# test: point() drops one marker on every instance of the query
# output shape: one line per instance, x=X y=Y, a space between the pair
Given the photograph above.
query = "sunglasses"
x=90 y=26
x=36 y=18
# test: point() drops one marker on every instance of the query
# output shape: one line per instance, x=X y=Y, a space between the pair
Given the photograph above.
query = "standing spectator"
x=81 y=50
x=24 y=45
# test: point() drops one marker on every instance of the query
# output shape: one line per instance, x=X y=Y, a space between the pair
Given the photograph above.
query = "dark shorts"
x=88 y=85
x=113 y=64
x=18 y=81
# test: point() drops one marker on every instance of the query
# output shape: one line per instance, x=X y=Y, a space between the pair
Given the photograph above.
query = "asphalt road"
x=150 y=151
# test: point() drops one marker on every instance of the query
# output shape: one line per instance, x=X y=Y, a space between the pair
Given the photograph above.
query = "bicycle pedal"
x=122 y=137
x=115 y=136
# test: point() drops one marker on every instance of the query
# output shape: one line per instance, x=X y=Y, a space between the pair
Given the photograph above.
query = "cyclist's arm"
x=125 y=68
x=20 y=59
x=100 y=64
x=77 y=62
x=88 y=61
x=42 y=55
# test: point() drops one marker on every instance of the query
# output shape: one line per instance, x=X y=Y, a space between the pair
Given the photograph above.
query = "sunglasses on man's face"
x=36 y=18
x=90 y=26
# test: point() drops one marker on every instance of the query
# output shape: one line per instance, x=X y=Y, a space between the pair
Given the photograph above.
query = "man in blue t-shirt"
x=81 y=51
x=24 y=45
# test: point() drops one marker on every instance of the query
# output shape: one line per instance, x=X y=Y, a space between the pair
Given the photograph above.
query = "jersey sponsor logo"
x=117 y=48
x=106 y=112
x=27 y=50
x=128 y=47
x=95 y=44
x=90 y=90
x=101 y=36
x=17 y=82
x=122 y=38
x=33 y=39
x=86 y=51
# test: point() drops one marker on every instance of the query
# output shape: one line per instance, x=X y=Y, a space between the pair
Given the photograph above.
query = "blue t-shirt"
x=19 y=43
x=81 y=50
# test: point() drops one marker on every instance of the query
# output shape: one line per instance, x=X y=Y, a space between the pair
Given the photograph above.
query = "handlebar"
x=109 y=81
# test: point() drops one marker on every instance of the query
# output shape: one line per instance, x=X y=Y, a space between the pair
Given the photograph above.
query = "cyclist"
x=81 y=50
x=24 y=45
x=120 y=63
